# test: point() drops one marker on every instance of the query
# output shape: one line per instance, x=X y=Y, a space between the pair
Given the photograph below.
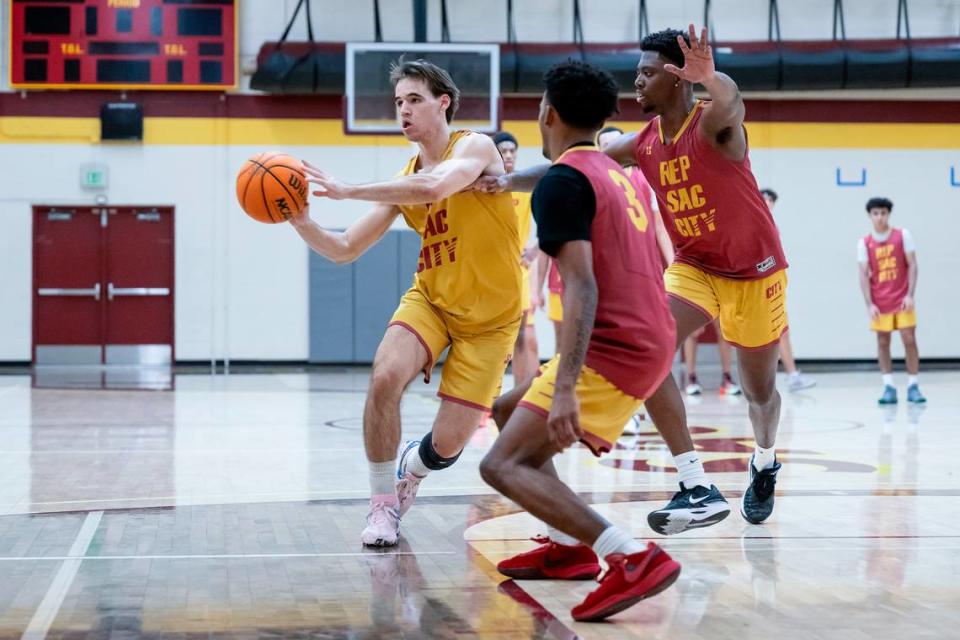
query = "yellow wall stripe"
x=290 y=132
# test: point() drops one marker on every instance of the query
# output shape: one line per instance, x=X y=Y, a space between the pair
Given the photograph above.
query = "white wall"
x=241 y=286
x=821 y=222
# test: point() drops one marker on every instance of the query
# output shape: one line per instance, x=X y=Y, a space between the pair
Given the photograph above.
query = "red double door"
x=103 y=285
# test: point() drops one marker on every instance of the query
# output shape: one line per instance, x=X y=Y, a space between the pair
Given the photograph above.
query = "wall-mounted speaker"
x=121 y=121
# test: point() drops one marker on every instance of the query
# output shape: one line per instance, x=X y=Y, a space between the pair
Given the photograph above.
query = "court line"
x=229 y=556
x=465 y=492
x=49 y=607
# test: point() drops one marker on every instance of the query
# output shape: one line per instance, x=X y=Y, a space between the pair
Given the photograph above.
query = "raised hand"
x=697 y=58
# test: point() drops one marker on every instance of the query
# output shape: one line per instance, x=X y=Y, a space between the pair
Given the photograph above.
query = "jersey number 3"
x=635 y=208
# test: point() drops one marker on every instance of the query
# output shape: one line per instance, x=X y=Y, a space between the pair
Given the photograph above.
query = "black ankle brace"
x=431 y=459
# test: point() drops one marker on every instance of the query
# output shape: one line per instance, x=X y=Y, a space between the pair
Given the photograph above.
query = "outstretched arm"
x=471 y=157
x=342 y=247
x=722 y=121
x=524 y=180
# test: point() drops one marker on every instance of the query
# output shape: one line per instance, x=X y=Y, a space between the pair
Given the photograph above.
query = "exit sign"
x=93 y=176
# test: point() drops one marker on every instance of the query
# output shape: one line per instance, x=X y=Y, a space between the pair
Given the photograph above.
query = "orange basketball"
x=271 y=187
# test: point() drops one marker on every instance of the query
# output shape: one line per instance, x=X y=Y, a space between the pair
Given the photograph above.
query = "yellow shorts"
x=555 y=307
x=604 y=409
x=752 y=312
x=895 y=321
x=473 y=371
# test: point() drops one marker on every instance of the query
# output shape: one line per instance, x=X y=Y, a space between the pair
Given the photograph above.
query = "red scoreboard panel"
x=123 y=44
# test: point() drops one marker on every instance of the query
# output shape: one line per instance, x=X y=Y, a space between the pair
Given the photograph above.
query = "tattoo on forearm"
x=570 y=363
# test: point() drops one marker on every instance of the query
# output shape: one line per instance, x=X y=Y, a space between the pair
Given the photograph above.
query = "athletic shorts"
x=473 y=370
x=604 y=409
x=752 y=313
x=555 y=307
x=895 y=321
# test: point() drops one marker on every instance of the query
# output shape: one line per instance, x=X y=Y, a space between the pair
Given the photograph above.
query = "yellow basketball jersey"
x=521 y=204
x=469 y=265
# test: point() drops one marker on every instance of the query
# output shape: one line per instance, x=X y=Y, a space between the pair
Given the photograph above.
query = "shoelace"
x=381 y=512
x=764 y=483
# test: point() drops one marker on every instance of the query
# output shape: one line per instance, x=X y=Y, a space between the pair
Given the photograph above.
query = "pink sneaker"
x=406 y=484
x=383 y=525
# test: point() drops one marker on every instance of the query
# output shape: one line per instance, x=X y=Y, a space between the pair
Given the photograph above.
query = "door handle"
x=56 y=292
x=113 y=291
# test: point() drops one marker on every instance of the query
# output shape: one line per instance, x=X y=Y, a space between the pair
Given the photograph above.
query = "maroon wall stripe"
x=202 y=104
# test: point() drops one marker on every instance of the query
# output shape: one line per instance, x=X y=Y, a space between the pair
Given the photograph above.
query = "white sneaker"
x=693 y=389
x=730 y=388
x=407 y=483
x=383 y=525
x=798 y=382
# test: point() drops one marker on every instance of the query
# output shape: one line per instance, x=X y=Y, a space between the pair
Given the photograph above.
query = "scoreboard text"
x=124 y=44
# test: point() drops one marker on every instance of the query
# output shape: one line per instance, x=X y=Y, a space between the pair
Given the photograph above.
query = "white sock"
x=414 y=464
x=912 y=380
x=690 y=470
x=382 y=477
x=888 y=379
x=614 y=540
x=764 y=458
x=560 y=537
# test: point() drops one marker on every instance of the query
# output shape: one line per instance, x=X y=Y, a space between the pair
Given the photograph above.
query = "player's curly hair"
x=583 y=95
x=665 y=43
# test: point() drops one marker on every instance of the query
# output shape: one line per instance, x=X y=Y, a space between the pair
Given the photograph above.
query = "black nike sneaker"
x=690 y=509
x=758 y=498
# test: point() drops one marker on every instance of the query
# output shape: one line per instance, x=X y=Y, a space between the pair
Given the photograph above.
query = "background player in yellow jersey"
x=465 y=294
x=526 y=356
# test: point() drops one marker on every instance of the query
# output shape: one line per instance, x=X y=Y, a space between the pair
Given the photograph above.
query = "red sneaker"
x=630 y=579
x=552 y=561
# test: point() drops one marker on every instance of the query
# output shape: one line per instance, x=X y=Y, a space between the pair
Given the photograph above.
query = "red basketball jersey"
x=634 y=336
x=712 y=206
x=888 y=271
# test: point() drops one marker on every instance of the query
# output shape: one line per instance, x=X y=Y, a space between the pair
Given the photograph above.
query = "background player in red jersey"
x=617 y=343
x=888 y=280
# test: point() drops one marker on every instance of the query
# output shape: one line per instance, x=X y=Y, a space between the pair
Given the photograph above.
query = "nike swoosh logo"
x=698 y=500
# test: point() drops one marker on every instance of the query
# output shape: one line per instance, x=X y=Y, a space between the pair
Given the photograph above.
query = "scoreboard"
x=123 y=44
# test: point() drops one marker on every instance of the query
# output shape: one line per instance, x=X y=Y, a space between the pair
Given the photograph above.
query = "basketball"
x=271 y=187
